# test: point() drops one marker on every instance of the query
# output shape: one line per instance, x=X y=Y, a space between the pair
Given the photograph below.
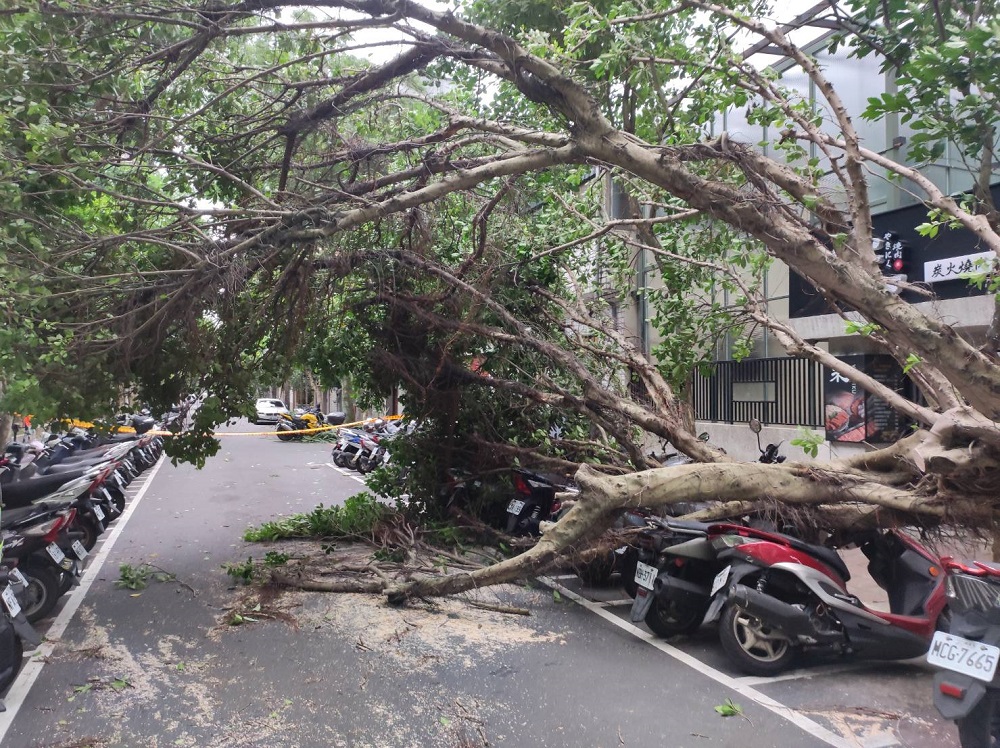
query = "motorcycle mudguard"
x=719 y=601
x=952 y=707
x=640 y=606
x=512 y=520
x=26 y=631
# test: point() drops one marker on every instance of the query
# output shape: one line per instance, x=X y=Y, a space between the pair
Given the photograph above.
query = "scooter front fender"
x=26 y=631
x=640 y=606
x=957 y=707
x=739 y=571
x=514 y=518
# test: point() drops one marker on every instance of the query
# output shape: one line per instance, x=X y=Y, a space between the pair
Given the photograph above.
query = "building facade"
x=788 y=394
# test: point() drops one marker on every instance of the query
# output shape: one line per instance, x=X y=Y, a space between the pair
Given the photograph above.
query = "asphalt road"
x=162 y=667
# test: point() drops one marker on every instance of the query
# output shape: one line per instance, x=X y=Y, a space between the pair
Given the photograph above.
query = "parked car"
x=269 y=411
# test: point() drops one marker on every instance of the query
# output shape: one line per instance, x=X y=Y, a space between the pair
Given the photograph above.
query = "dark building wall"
x=804 y=301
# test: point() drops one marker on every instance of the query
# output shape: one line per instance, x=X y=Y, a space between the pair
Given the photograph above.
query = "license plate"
x=720 y=580
x=79 y=550
x=10 y=601
x=98 y=512
x=645 y=575
x=119 y=481
x=971 y=658
x=18 y=577
x=55 y=553
x=515 y=506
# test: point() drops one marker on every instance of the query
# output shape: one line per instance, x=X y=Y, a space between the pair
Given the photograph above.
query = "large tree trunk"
x=601 y=495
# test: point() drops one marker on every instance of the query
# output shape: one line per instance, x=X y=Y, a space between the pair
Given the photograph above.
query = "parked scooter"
x=347 y=447
x=535 y=502
x=33 y=539
x=676 y=564
x=779 y=596
x=16 y=634
x=967 y=688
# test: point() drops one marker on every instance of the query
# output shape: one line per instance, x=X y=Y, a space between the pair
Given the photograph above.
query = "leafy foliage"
x=356 y=517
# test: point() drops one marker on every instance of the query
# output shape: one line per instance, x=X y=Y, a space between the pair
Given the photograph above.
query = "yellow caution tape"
x=273 y=433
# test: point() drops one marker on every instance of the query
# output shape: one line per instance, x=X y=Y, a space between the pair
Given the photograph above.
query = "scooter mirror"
x=703 y=436
x=755 y=425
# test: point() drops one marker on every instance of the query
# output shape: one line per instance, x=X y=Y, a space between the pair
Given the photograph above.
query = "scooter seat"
x=68 y=466
x=12 y=517
x=827 y=555
x=23 y=492
x=688 y=525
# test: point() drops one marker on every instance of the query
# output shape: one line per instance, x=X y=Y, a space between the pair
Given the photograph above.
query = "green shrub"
x=358 y=516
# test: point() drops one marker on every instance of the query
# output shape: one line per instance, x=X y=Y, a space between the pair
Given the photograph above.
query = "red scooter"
x=778 y=596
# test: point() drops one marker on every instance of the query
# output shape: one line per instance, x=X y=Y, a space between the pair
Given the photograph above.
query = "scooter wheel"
x=117 y=500
x=340 y=459
x=284 y=436
x=754 y=648
x=667 y=618
x=65 y=582
x=42 y=592
x=10 y=641
x=88 y=527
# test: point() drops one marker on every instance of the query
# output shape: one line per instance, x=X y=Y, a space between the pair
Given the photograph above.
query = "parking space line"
x=18 y=692
x=792 y=715
x=347 y=473
x=612 y=603
x=757 y=680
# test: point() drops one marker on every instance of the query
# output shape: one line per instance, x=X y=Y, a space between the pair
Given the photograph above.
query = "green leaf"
x=729 y=709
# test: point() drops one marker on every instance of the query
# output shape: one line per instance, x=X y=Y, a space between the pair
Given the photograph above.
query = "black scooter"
x=676 y=566
x=535 y=501
x=967 y=688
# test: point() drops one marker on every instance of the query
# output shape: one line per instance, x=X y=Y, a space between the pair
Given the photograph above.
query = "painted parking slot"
x=794 y=716
x=33 y=667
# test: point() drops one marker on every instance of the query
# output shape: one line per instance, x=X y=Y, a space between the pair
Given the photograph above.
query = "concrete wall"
x=740 y=442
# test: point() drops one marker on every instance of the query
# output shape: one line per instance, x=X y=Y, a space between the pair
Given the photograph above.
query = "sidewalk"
x=871 y=594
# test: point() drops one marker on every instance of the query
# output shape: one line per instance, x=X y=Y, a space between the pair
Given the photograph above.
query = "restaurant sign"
x=950 y=268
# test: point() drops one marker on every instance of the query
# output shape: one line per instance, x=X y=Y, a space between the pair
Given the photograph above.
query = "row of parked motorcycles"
x=58 y=497
x=367 y=448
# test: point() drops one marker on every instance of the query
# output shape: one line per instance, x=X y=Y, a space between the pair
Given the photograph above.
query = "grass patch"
x=357 y=517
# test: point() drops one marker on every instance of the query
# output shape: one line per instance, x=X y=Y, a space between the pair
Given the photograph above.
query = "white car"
x=269 y=411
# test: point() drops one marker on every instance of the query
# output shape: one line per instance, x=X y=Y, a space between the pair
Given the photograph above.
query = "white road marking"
x=792 y=715
x=347 y=473
x=32 y=669
x=756 y=680
x=613 y=603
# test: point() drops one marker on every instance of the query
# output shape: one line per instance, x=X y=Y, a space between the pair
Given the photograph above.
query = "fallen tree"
x=262 y=188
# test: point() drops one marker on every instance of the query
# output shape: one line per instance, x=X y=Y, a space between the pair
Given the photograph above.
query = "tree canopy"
x=192 y=192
